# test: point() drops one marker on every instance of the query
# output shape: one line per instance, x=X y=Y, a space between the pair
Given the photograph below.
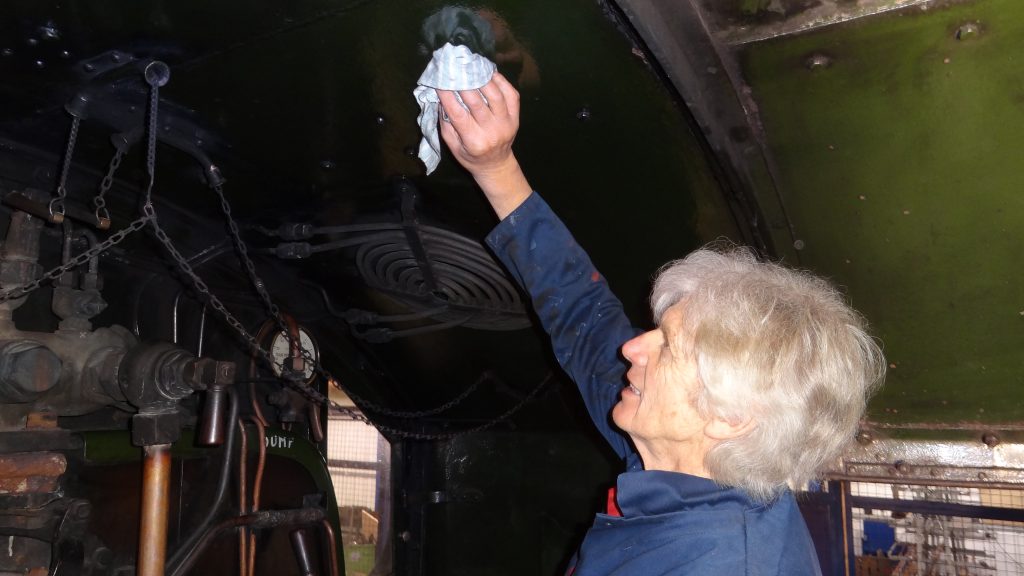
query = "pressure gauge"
x=280 y=353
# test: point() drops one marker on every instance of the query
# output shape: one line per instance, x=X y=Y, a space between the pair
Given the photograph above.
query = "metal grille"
x=358 y=459
x=938 y=531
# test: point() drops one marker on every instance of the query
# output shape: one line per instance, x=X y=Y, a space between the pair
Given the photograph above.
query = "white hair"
x=779 y=347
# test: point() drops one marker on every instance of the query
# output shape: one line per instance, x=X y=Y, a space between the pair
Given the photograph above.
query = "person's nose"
x=637 y=350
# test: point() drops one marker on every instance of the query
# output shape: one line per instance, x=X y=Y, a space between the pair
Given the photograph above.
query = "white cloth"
x=451 y=68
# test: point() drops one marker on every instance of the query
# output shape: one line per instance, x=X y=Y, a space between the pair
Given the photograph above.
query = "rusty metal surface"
x=985 y=462
x=156 y=476
x=31 y=473
x=737 y=23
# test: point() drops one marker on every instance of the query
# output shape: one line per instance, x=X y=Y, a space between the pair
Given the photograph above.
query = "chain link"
x=75 y=262
x=99 y=202
x=56 y=206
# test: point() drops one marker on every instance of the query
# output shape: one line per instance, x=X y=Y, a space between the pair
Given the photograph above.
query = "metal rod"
x=257 y=521
x=222 y=484
x=844 y=494
x=303 y=554
x=156 y=481
x=904 y=480
x=929 y=508
x=202 y=331
x=72 y=210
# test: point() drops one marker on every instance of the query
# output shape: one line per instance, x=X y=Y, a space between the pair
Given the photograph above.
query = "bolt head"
x=990 y=439
x=817 y=62
x=967 y=30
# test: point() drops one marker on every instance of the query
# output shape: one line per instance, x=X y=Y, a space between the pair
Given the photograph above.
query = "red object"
x=612 y=509
x=613 y=506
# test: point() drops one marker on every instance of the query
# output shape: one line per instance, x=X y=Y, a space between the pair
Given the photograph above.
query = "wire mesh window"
x=358 y=459
x=937 y=531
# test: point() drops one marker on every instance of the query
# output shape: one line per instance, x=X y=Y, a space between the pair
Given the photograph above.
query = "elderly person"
x=754 y=379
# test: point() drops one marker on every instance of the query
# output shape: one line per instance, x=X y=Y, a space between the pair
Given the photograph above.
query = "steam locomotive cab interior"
x=245 y=331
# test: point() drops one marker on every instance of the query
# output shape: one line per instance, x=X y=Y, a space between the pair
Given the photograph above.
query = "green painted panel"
x=899 y=162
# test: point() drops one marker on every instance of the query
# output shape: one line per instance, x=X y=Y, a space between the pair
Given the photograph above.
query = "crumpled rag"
x=451 y=68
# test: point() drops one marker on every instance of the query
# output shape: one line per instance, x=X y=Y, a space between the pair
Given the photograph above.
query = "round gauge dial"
x=280 y=353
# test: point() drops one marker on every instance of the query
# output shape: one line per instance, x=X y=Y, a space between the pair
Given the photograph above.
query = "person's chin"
x=621 y=416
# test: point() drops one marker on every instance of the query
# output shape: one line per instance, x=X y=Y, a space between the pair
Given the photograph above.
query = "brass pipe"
x=156 y=481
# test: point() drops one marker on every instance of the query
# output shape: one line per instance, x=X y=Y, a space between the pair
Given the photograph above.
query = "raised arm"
x=481 y=140
x=575 y=305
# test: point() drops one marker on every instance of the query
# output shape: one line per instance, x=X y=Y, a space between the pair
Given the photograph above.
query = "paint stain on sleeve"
x=595 y=276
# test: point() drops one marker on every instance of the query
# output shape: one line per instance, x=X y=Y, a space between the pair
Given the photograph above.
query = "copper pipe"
x=257 y=487
x=316 y=428
x=332 y=546
x=256 y=410
x=296 y=342
x=243 y=533
x=156 y=482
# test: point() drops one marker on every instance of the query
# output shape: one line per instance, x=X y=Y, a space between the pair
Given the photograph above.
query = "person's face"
x=656 y=407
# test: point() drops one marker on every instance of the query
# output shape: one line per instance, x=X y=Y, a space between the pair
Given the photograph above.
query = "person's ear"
x=719 y=429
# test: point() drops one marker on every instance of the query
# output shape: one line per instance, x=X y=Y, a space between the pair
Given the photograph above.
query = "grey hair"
x=779 y=347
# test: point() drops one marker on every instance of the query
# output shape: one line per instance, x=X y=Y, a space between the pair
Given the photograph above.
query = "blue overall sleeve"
x=576 y=307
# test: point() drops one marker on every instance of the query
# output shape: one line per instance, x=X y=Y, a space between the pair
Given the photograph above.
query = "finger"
x=508 y=93
x=458 y=115
x=495 y=99
x=477 y=107
x=450 y=136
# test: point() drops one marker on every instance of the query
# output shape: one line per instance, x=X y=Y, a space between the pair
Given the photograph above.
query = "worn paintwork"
x=31 y=473
x=897 y=159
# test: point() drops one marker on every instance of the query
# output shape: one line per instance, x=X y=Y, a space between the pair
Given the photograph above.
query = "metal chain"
x=485 y=426
x=149 y=218
x=75 y=262
x=309 y=393
x=154 y=105
x=57 y=204
x=307 y=356
x=198 y=283
x=99 y=202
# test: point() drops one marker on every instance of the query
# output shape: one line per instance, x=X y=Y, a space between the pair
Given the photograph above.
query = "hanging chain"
x=485 y=426
x=99 y=202
x=56 y=206
x=149 y=218
x=309 y=393
x=75 y=262
x=154 y=105
x=275 y=312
